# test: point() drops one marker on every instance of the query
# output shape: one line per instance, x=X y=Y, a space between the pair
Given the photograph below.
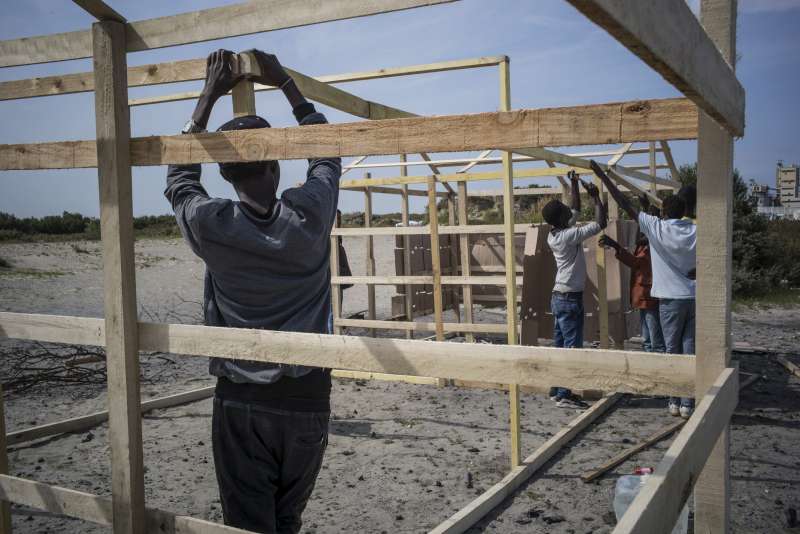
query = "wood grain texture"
x=487 y=501
x=658 y=504
x=666 y=35
x=119 y=276
x=509 y=130
x=204 y=25
x=100 y=10
x=611 y=370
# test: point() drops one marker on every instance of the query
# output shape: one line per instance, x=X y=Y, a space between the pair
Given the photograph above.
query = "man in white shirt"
x=566 y=242
x=673 y=241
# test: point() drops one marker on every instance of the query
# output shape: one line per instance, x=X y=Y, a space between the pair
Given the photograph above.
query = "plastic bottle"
x=628 y=486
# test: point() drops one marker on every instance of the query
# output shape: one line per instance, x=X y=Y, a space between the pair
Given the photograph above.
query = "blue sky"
x=558 y=58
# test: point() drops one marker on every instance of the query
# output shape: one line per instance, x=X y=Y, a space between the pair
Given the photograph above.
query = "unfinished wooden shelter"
x=697 y=57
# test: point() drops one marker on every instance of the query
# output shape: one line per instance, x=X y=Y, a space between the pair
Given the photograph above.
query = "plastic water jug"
x=628 y=487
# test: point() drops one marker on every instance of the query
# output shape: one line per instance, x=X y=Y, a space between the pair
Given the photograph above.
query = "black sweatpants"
x=267 y=461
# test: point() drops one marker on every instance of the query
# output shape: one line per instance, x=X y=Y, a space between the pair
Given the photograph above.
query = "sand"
x=401 y=457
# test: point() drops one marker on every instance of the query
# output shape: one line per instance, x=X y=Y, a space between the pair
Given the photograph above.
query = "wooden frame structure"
x=700 y=65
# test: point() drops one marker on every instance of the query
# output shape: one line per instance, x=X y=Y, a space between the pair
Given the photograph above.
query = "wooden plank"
x=100 y=10
x=336 y=290
x=652 y=166
x=370 y=254
x=630 y=186
x=416 y=279
x=404 y=215
x=83 y=422
x=474 y=511
x=670 y=160
x=5 y=505
x=712 y=496
x=791 y=367
x=195 y=69
x=119 y=276
x=630 y=451
x=466 y=255
x=463 y=177
x=244 y=18
x=436 y=260
x=97 y=509
x=612 y=370
x=601 y=284
x=510 y=130
x=658 y=504
x=692 y=62
x=425 y=230
x=510 y=264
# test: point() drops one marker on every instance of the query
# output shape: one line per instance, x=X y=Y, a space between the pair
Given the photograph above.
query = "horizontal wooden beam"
x=490 y=499
x=666 y=35
x=606 y=370
x=544 y=191
x=462 y=177
x=421 y=280
x=195 y=69
x=97 y=509
x=197 y=26
x=358 y=375
x=511 y=130
x=83 y=422
x=425 y=230
x=658 y=504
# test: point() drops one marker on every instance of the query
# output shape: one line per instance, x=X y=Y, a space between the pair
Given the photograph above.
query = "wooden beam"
x=511 y=130
x=197 y=26
x=436 y=260
x=791 y=367
x=243 y=98
x=420 y=326
x=404 y=213
x=5 y=505
x=97 y=509
x=627 y=453
x=466 y=256
x=658 y=504
x=462 y=177
x=119 y=276
x=670 y=160
x=601 y=284
x=370 y=254
x=489 y=500
x=611 y=370
x=444 y=280
x=100 y=10
x=425 y=230
x=630 y=186
x=83 y=422
x=691 y=62
x=712 y=497
x=336 y=290
x=358 y=375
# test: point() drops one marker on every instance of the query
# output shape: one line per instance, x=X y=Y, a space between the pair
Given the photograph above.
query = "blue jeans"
x=653 y=338
x=568 y=316
x=677 y=324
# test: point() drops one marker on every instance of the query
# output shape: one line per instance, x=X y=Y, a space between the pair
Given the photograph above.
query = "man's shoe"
x=674 y=409
x=686 y=411
x=571 y=403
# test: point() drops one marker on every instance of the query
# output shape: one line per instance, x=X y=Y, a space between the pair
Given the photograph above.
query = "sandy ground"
x=401 y=457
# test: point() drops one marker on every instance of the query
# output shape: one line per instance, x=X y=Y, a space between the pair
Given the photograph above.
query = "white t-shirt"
x=567 y=247
x=672 y=254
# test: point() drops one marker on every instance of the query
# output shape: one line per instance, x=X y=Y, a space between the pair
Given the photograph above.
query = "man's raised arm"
x=614 y=191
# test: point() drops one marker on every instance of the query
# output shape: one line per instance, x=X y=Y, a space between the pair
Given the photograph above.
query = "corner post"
x=714 y=229
x=119 y=276
x=510 y=262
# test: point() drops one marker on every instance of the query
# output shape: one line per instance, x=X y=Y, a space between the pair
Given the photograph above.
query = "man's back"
x=672 y=247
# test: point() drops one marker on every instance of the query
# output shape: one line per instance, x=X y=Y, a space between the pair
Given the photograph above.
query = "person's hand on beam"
x=600 y=214
x=273 y=73
x=614 y=191
x=219 y=80
x=576 y=190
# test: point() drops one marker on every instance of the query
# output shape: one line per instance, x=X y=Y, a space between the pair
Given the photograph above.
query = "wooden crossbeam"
x=462 y=177
x=425 y=230
x=605 y=370
x=658 y=504
x=666 y=35
x=100 y=10
x=204 y=25
x=511 y=130
x=487 y=501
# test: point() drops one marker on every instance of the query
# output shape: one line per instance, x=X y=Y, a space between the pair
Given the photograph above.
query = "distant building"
x=760 y=192
x=787 y=182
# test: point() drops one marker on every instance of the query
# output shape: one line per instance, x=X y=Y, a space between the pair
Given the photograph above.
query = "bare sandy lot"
x=402 y=457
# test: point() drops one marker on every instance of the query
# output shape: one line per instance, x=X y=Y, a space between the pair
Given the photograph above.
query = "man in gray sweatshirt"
x=267 y=266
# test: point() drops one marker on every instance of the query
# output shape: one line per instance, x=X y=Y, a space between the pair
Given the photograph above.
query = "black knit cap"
x=552 y=211
x=233 y=171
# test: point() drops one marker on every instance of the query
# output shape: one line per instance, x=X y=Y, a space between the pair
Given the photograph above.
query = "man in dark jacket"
x=267 y=266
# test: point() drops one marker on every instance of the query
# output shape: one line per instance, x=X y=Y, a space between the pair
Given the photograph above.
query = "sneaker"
x=686 y=411
x=571 y=403
x=674 y=409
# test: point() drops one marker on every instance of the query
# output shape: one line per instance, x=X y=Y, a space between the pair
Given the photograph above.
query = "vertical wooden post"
x=713 y=317
x=652 y=153
x=370 y=254
x=463 y=245
x=119 y=276
x=602 y=284
x=5 y=506
x=511 y=264
x=436 y=263
x=451 y=220
x=406 y=249
x=243 y=95
x=336 y=289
